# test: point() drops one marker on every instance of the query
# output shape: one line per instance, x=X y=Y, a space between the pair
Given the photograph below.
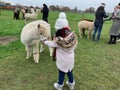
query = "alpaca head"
x=43 y=32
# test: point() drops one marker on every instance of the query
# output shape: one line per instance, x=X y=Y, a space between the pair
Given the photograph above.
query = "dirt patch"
x=7 y=39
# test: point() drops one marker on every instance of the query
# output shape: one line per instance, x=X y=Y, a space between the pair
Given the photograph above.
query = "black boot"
x=114 y=39
x=111 y=38
x=119 y=36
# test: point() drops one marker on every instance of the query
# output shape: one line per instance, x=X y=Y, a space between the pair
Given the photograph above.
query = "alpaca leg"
x=83 y=32
x=89 y=34
x=42 y=48
x=51 y=51
x=36 y=52
x=25 y=21
x=29 y=51
x=80 y=32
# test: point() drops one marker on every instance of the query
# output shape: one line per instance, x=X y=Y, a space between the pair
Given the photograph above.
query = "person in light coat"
x=115 y=28
x=32 y=10
x=64 y=60
x=60 y=23
x=65 y=43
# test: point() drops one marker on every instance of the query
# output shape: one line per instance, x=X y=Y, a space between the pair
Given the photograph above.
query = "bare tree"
x=90 y=10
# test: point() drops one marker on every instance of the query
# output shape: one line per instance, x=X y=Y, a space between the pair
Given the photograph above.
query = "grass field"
x=97 y=65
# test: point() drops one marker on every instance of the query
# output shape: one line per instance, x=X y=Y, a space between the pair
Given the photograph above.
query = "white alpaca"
x=31 y=16
x=30 y=37
x=85 y=25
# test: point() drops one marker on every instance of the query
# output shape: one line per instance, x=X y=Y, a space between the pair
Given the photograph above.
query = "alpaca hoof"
x=80 y=37
x=36 y=62
x=27 y=57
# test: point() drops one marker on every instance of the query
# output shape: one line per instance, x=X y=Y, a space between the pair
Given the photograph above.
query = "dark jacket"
x=45 y=11
x=99 y=15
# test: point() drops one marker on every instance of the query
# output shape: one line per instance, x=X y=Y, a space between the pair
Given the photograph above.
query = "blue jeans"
x=97 y=27
x=62 y=75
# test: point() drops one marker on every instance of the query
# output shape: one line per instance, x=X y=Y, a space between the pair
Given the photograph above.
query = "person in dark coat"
x=98 y=24
x=45 y=12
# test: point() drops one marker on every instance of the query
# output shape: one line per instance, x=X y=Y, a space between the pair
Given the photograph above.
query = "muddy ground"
x=7 y=39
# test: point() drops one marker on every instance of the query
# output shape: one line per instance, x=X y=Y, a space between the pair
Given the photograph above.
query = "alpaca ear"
x=38 y=25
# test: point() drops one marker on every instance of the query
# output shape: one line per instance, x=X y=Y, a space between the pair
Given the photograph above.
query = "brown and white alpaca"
x=30 y=37
x=85 y=25
x=23 y=11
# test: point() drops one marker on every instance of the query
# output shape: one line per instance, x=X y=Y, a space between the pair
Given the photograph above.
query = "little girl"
x=65 y=43
x=60 y=23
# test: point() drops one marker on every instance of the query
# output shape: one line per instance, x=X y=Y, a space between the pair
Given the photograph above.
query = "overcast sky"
x=80 y=4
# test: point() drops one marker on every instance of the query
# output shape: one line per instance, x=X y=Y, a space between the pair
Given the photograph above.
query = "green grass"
x=97 y=65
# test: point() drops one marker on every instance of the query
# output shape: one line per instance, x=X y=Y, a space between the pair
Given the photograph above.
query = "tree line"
x=51 y=7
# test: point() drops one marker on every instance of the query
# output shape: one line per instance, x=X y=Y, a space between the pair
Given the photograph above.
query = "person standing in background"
x=45 y=12
x=32 y=9
x=98 y=24
x=115 y=28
